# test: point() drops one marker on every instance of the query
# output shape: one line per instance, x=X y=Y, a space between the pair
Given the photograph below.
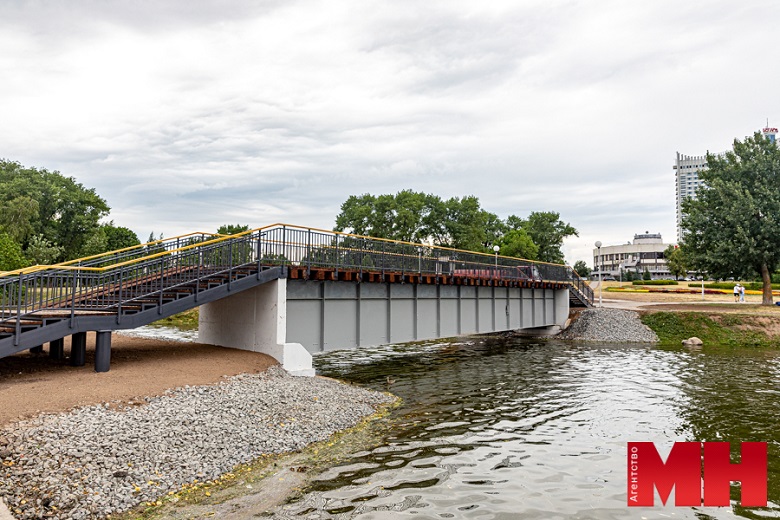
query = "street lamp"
x=496 y=249
x=598 y=258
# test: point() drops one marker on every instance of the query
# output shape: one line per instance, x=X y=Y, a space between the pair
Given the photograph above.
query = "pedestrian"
x=736 y=293
x=742 y=293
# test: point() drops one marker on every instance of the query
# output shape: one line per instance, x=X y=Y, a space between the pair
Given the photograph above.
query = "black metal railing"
x=112 y=281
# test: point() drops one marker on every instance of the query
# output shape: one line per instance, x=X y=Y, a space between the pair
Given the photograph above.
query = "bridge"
x=285 y=290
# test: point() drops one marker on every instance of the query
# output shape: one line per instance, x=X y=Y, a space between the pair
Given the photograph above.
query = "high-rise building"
x=686 y=176
x=686 y=179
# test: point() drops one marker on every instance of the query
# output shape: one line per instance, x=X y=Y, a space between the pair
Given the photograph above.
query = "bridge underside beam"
x=330 y=315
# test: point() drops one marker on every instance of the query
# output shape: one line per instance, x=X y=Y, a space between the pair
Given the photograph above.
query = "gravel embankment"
x=96 y=460
x=609 y=326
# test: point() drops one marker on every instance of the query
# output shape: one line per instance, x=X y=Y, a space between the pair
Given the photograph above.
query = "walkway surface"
x=640 y=305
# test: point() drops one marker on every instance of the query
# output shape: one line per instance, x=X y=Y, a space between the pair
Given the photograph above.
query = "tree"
x=581 y=268
x=458 y=222
x=646 y=275
x=232 y=229
x=39 y=202
x=118 y=237
x=518 y=244
x=42 y=252
x=548 y=231
x=109 y=238
x=11 y=256
x=676 y=261
x=733 y=227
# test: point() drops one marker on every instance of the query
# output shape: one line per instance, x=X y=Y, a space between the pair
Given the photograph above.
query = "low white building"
x=646 y=252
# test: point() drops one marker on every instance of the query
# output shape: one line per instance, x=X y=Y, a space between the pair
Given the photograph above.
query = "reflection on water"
x=510 y=428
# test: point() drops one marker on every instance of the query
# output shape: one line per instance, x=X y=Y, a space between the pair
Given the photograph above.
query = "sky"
x=186 y=115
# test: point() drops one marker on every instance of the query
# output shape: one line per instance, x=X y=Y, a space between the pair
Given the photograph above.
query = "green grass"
x=187 y=320
x=673 y=327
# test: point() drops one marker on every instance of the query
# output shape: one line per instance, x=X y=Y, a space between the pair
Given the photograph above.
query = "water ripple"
x=506 y=428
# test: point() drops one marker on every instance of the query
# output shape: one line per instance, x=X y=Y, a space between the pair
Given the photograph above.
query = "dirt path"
x=34 y=383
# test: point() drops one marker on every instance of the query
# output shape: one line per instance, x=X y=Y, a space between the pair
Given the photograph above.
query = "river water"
x=497 y=428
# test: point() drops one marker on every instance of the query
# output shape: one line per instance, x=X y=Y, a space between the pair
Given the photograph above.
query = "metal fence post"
x=73 y=301
x=230 y=262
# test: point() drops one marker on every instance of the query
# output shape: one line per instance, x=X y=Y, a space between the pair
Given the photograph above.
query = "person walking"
x=742 y=294
x=736 y=292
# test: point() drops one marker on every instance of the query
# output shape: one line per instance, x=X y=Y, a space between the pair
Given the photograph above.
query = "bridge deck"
x=135 y=286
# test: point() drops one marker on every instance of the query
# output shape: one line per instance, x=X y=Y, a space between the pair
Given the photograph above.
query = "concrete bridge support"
x=256 y=320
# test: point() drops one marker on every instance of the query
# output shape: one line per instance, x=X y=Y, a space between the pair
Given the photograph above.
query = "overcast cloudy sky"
x=187 y=115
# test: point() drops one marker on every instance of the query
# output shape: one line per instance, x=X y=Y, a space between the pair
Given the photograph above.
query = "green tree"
x=581 y=268
x=39 y=202
x=518 y=244
x=733 y=227
x=676 y=261
x=42 y=252
x=646 y=275
x=118 y=237
x=547 y=230
x=11 y=256
x=232 y=229
x=109 y=238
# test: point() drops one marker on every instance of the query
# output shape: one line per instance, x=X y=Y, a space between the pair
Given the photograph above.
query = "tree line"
x=46 y=217
x=458 y=222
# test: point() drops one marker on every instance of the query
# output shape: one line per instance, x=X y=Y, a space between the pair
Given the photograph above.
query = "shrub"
x=654 y=282
x=750 y=286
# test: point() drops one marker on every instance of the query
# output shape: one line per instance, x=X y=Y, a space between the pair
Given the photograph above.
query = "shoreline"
x=101 y=460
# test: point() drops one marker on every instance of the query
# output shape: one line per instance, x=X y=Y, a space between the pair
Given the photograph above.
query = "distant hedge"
x=654 y=282
x=750 y=286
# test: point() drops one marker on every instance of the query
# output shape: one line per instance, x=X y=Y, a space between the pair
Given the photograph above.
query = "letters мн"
x=683 y=472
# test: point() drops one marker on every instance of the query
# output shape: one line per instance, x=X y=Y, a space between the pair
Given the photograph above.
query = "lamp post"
x=496 y=249
x=598 y=259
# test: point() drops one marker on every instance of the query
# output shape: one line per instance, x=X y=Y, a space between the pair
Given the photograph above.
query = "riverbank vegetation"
x=728 y=329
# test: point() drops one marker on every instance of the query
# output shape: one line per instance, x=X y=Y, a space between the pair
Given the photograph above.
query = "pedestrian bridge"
x=285 y=290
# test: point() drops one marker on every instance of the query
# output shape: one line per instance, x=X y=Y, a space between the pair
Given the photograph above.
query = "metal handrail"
x=109 y=282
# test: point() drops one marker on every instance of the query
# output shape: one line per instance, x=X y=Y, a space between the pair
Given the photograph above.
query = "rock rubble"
x=609 y=326
x=99 y=460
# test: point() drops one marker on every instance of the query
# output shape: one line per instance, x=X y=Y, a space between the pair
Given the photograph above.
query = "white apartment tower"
x=686 y=175
x=686 y=181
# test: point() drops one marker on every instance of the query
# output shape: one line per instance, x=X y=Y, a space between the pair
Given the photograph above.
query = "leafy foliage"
x=11 y=256
x=582 y=268
x=40 y=251
x=548 y=231
x=39 y=202
x=232 y=229
x=676 y=261
x=733 y=227
x=459 y=223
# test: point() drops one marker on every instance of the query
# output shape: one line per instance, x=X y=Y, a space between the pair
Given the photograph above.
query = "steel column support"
x=57 y=349
x=36 y=350
x=102 y=350
x=78 y=349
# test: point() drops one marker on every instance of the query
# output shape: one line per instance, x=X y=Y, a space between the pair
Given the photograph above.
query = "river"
x=497 y=428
